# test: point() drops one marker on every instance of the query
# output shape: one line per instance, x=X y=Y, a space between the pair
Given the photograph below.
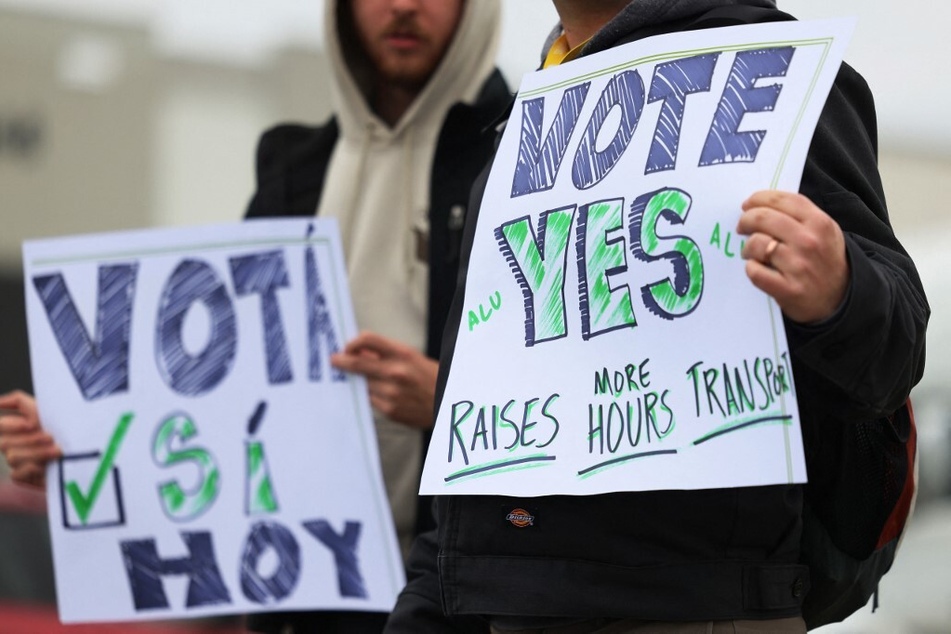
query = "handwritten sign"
x=610 y=339
x=214 y=461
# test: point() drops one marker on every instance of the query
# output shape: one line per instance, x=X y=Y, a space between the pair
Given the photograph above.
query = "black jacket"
x=694 y=555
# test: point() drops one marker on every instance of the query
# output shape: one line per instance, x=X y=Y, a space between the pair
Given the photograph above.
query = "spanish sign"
x=610 y=339
x=214 y=462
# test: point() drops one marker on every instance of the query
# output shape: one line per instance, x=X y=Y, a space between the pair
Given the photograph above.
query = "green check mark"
x=84 y=503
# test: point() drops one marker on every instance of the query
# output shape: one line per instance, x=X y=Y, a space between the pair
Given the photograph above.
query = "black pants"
x=793 y=625
x=317 y=622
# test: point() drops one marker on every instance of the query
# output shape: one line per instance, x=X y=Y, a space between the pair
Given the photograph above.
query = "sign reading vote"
x=610 y=339
x=214 y=462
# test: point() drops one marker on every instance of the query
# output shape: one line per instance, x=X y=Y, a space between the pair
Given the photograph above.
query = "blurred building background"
x=120 y=114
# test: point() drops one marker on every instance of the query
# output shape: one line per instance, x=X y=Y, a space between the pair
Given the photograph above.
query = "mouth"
x=403 y=40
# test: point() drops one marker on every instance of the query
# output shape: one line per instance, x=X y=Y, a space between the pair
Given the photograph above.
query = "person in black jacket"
x=855 y=315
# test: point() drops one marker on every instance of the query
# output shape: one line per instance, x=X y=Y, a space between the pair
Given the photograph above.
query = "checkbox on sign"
x=90 y=491
x=102 y=505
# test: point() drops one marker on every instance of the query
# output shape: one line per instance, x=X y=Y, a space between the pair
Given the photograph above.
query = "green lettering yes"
x=539 y=266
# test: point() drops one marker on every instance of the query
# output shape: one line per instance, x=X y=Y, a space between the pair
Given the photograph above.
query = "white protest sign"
x=214 y=461
x=610 y=339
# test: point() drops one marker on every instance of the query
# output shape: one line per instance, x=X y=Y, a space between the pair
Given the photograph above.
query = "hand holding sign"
x=401 y=379
x=807 y=272
x=25 y=446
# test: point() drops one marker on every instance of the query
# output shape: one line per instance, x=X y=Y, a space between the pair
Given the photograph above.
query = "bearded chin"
x=406 y=76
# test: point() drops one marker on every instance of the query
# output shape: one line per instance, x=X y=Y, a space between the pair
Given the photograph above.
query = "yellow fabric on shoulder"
x=559 y=53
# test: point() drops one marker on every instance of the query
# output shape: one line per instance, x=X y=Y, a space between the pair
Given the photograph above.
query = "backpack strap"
x=897 y=519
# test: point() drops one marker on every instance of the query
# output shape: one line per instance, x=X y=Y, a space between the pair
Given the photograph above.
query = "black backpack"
x=860 y=495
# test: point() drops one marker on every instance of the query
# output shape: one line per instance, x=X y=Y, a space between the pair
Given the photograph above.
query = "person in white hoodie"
x=415 y=93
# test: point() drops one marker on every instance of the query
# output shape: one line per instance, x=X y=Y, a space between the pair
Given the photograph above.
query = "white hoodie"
x=377 y=186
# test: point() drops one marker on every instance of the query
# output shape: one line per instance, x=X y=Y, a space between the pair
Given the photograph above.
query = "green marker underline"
x=497 y=465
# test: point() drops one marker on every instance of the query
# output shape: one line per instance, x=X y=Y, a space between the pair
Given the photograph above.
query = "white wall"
x=205 y=134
